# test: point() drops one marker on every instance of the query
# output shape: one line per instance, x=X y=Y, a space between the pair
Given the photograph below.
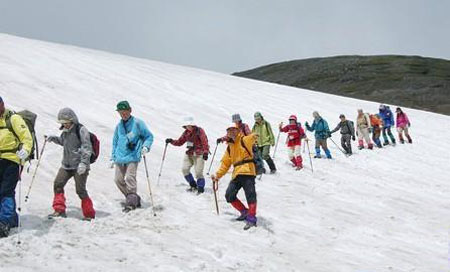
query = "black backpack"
x=30 y=120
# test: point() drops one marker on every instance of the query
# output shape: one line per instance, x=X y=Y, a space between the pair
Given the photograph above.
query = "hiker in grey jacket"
x=347 y=133
x=77 y=150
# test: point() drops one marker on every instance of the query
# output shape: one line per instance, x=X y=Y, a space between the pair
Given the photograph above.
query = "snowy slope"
x=381 y=210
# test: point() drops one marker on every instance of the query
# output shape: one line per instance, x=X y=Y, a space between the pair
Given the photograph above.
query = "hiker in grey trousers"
x=347 y=133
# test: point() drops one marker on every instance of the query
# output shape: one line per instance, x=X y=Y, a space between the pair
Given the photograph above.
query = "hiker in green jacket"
x=265 y=139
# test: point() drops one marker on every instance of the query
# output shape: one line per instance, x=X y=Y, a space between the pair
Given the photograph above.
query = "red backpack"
x=94 y=141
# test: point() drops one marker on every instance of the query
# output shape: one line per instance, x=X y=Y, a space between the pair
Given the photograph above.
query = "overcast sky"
x=235 y=35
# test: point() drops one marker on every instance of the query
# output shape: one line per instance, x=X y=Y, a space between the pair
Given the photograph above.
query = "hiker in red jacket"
x=295 y=135
x=196 y=154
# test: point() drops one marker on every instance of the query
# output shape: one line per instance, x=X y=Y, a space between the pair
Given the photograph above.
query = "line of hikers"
x=132 y=140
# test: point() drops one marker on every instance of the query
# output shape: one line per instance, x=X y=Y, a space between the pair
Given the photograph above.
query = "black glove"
x=329 y=134
x=353 y=138
x=168 y=140
x=219 y=140
x=205 y=156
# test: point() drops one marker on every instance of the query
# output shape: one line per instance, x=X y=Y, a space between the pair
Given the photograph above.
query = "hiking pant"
x=294 y=151
x=248 y=183
x=346 y=142
x=195 y=161
x=376 y=136
x=322 y=143
x=264 y=152
x=363 y=133
x=126 y=181
x=63 y=177
x=387 y=131
x=400 y=133
x=9 y=176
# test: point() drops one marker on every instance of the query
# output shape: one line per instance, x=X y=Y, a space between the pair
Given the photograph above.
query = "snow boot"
x=56 y=214
x=251 y=217
x=294 y=161
x=299 y=163
x=193 y=185
x=200 y=185
x=243 y=216
x=317 y=156
x=409 y=139
x=4 y=230
x=88 y=208
x=360 y=144
x=271 y=164
x=59 y=203
x=370 y=145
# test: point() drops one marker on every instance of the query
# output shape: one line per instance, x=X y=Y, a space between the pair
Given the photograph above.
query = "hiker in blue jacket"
x=322 y=132
x=131 y=141
x=388 y=122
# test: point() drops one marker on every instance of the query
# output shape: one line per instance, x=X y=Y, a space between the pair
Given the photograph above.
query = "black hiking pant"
x=241 y=181
x=346 y=143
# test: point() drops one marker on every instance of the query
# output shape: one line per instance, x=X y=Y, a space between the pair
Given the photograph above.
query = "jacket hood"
x=67 y=114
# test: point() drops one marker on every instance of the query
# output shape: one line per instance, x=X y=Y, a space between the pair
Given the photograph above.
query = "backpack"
x=94 y=141
x=257 y=159
x=30 y=120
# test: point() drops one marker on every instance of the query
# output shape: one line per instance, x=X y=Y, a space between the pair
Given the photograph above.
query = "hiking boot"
x=87 y=219
x=360 y=147
x=57 y=214
x=298 y=168
x=317 y=157
x=402 y=141
x=192 y=189
x=249 y=225
x=128 y=208
x=242 y=217
x=4 y=230
x=410 y=141
x=273 y=171
x=200 y=190
x=386 y=143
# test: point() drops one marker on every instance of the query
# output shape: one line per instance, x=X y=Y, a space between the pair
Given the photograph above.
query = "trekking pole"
x=215 y=188
x=276 y=145
x=212 y=160
x=19 y=207
x=162 y=163
x=35 y=170
x=309 y=154
x=149 y=186
x=338 y=146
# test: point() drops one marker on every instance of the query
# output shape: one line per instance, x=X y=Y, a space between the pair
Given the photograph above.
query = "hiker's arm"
x=147 y=135
x=180 y=140
x=114 y=143
x=224 y=165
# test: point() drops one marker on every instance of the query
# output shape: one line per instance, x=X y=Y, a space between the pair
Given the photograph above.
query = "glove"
x=353 y=138
x=168 y=140
x=219 y=140
x=306 y=124
x=281 y=125
x=112 y=163
x=51 y=138
x=144 y=151
x=215 y=182
x=205 y=156
x=81 y=169
x=22 y=154
x=409 y=124
x=329 y=134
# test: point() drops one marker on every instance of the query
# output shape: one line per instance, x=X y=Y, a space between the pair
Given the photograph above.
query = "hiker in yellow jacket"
x=239 y=154
x=15 y=146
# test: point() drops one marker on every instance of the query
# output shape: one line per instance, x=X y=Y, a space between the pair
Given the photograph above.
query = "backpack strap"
x=251 y=160
x=11 y=129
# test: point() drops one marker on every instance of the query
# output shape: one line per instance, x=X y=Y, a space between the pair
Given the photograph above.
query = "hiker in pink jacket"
x=402 y=126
